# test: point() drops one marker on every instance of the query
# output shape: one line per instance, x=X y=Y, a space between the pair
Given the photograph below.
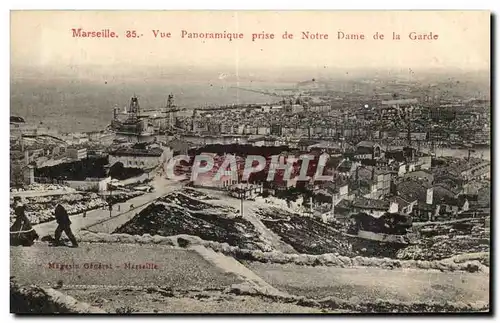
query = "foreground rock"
x=33 y=299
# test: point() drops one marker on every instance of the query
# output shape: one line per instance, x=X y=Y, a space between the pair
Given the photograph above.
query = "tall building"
x=276 y=130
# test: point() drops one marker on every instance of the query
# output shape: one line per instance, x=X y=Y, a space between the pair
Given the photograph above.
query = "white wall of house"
x=103 y=184
x=465 y=207
x=402 y=170
x=343 y=191
x=429 y=195
x=375 y=213
x=425 y=162
x=263 y=131
x=393 y=208
x=135 y=161
x=83 y=185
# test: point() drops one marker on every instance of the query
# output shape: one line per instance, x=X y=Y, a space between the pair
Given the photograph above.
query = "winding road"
x=101 y=220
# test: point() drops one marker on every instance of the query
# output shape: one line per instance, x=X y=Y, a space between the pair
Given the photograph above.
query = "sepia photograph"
x=250 y=162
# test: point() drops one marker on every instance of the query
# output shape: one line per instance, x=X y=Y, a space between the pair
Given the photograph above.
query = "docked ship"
x=135 y=127
x=139 y=125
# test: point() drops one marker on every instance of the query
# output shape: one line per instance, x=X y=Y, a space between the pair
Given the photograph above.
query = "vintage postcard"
x=250 y=162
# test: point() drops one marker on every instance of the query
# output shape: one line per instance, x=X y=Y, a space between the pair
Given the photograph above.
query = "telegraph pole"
x=241 y=196
x=110 y=187
x=242 y=193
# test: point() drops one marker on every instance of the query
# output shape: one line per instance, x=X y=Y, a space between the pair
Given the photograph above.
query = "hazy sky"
x=43 y=39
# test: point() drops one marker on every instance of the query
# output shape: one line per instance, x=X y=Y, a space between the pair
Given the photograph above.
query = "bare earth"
x=370 y=284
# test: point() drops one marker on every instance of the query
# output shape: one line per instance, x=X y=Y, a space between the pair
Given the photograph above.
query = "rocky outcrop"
x=179 y=213
x=34 y=299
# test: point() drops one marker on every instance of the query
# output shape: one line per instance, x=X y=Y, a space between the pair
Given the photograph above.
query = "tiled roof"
x=137 y=152
x=410 y=190
x=366 y=144
x=364 y=203
x=444 y=195
x=447 y=186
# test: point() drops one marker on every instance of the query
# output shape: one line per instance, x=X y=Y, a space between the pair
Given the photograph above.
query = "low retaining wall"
x=469 y=263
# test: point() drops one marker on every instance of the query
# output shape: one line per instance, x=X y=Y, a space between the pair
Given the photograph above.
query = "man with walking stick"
x=64 y=224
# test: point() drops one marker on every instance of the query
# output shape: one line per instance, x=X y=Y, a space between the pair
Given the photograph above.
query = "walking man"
x=64 y=224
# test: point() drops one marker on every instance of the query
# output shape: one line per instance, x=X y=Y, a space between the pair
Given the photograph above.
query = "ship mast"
x=170 y=110
x=134 y=109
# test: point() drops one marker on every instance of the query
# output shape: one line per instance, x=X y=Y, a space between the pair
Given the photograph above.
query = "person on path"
x=21 y=231
x=64 y=224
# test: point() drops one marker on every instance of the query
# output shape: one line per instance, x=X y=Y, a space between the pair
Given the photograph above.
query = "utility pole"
x=241 y=197
x=332 y=212
x=242 y=193
x=468 y=154
x=409 y=134
x=110 y=206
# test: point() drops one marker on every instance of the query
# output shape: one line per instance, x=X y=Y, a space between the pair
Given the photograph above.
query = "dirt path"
x=232 y=266
x=113 y=265
x=267 y=235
